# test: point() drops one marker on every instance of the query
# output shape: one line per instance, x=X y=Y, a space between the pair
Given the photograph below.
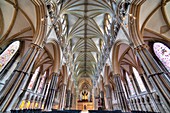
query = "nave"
x=95 y=55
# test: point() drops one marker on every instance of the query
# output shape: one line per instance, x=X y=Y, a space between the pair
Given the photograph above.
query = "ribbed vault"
x=85 y=23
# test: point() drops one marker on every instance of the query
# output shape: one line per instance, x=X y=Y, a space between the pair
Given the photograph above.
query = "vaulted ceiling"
x=81 y=28
x=85 y=36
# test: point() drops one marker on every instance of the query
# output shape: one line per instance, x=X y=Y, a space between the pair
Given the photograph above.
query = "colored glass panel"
x=31 y=84
x=41 y=86
x=9 y=52
x=163 y=53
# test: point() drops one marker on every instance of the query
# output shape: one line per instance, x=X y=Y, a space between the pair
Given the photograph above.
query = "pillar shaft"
x=20 y=76
x=68 y=99
x=108 y=97
x=102 y=99
x=155 y=74
x=149 y=90
x=71 y=100
x=62 y=100
x=160 y=105
x=120 y=93
x=51 y=92
x=134 y=85
x=37 y=85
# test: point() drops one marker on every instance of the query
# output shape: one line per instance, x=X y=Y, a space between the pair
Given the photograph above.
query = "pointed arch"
x=8 y=53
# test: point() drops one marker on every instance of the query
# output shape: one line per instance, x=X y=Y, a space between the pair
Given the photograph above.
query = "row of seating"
x=143 y=112
x=63 y=111
x=73 y=111
x=105 y=111
x=27 y=111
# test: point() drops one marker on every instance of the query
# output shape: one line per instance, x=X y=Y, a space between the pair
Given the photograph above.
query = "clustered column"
x=108 y=97
x=120 y=93
x=51 y=92
x=62 y=100
x=69 y=92
x=155 y=74
x=19 y=78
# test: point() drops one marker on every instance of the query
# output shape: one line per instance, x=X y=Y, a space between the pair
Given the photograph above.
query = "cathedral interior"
x=110 y=55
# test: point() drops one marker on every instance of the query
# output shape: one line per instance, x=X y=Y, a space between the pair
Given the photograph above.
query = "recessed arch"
x=57 y=54
x=115 y=53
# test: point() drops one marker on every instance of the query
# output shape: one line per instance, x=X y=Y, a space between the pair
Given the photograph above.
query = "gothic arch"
x=115 y=53
x=57 y=54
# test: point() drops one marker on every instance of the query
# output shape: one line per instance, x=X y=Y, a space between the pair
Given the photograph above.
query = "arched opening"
x=8 y=61
x=42 y=83
x=139 y=80
x=8 y=53
x=132 y=91
x=33 y=79
x=163 y=54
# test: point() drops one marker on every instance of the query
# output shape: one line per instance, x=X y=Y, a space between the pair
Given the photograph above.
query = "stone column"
x=135 y=104
x=89 y=96
x=74 y=100
x=13 y=92
x=94 y=98
x=51 y=92
x=26 y=99
x=40 y=103
x=77 y=96
x=148 y=105
x=138 y=104
x=134 y=85
x=158 y=102
x=149 y=89
x=120 y=93
x=102 y=99
x=132 y=104
x=108 y=97
x=45 y=93
x=127 y=90
x=62 y=99
x=36 y=102
x=155 y=74
x=37 y=84
x=143 y=104
x=117 y=105
x=32 y=100
x=71 y=100
x=68 y=98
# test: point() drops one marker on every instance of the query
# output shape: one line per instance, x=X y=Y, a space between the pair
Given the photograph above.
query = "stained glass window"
x=33 y=79
x=139 y=80
x=41 y=86
x=130 y=85
x=9 y=52
x=163 y=53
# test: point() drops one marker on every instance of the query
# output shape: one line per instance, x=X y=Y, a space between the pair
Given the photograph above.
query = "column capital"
x=140 y=47
x=140 y=74
x=21 y=71
x=63 y=84
x=36 y=45
x=116 y=75
x=107 y=85
x=55 y=74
